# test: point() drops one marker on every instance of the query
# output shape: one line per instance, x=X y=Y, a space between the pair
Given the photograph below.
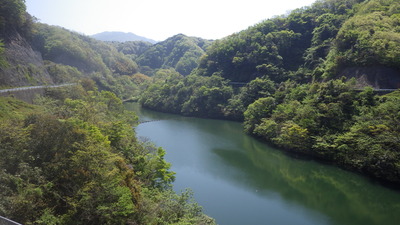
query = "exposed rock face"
x=25 y=66
x=378 y=77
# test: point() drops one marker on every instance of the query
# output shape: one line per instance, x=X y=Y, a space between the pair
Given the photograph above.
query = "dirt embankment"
x=379 y=77
x=25 y=66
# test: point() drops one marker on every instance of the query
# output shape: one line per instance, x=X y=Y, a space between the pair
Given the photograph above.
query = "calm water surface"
x=240 y=180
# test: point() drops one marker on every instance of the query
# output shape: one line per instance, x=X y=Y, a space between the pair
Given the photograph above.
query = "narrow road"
x=35 y=87
x=378 y=90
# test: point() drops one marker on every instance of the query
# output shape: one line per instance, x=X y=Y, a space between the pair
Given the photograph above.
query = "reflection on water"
x=240 y=180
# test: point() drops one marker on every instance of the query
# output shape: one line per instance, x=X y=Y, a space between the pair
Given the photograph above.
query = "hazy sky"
x=160 y=19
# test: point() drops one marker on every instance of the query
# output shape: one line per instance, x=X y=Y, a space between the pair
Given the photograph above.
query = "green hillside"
x=86 y=54
x=312 y=42
x=179 y=52
x=308 y=84
x=369 y=38
x=132 y=49
x=73 y=157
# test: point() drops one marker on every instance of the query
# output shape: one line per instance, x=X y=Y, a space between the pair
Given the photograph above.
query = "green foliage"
x=178 y=52
x=292 y=136
x=61 y=74
x=125 y=87
x=12 y=108
x=331 y=121
x=372 y=143
x=207 y=98
x=261 y=108
x=190 y=95
x=371 y=37
x=88 y=55
x=3 y=60
x=71 y=57
x=75 y=159
x=327 y=27
x=328 y=119
x=13 y=18
x=181 y=210
x=249 y=54
x=295 y=46
x=257 y=88
x=132 y=49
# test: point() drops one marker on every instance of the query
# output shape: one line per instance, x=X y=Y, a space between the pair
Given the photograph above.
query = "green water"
x=240 y=180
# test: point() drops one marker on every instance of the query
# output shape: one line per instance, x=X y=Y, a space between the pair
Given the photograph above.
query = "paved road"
x=35 y=87
x=378 y=90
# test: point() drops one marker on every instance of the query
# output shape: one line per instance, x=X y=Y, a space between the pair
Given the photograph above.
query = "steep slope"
x=52 y=55
x=368 y=45
x=120 y=37
x=19 y=64
x=70 y=56
x=67 y=56
x=86 y=54
x=24 y=66
x=330 y=39
x=280 y=46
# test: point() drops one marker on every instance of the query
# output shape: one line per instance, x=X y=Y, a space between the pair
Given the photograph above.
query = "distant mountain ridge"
x=120 y=37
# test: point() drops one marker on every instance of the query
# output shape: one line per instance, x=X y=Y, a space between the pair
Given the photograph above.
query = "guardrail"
x=238 y=84
x=35 y=87
x=377 y=90
x=5 y=221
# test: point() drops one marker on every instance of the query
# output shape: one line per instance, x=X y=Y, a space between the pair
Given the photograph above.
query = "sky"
x=160 y=19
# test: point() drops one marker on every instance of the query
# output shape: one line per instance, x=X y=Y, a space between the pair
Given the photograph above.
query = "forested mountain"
x=86 y=54
x=50 y=55
x=179 y=52
x=370 y=40
x=329 y=39
x=120 y=37
x=304 y=75
x=280 y=47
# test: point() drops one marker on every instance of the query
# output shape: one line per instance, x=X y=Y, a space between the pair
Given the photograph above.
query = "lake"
x=241 y=180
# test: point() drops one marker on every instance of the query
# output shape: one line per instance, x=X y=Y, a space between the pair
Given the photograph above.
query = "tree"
x=13 y=18
x=369 y=38
x=261 y=108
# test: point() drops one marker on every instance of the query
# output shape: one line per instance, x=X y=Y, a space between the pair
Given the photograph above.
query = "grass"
x=13 y=108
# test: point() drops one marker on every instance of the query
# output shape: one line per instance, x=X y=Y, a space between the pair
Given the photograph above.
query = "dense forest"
x=179 y=52
x=311 y=82
x=73 y=157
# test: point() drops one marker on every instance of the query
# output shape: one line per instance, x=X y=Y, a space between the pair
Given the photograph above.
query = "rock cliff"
x=25 y=66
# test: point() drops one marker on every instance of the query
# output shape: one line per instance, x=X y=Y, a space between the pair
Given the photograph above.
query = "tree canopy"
x=74 y=159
